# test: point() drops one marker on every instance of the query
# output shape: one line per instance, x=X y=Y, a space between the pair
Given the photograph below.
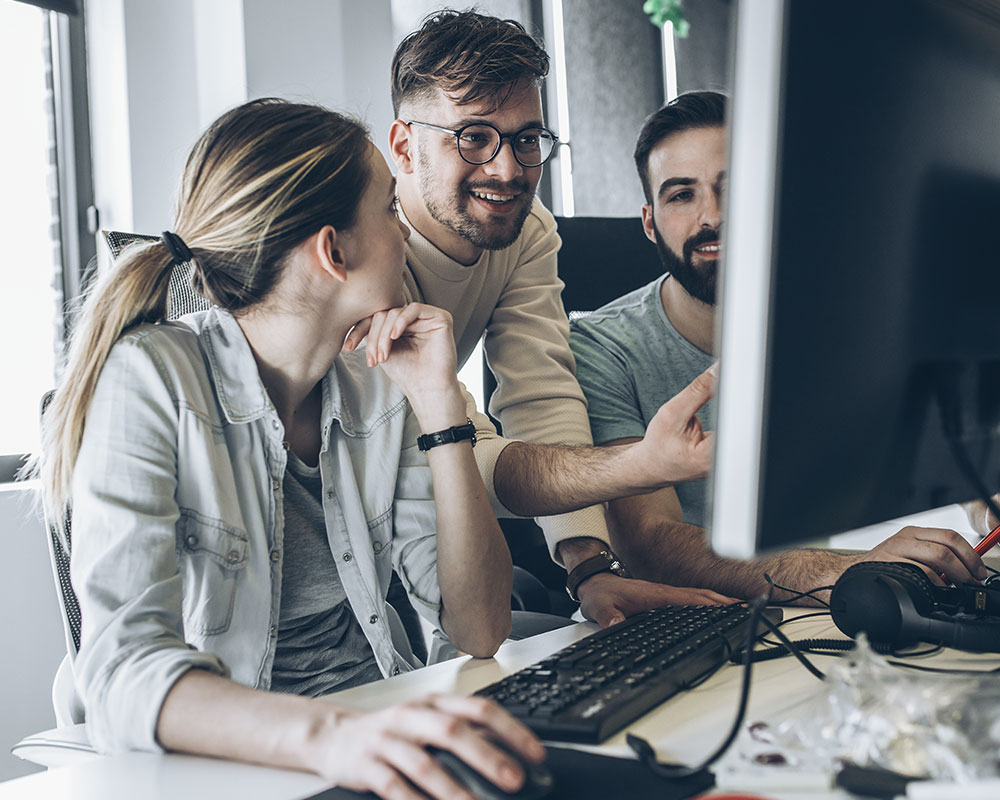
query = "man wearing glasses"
x=469 y=143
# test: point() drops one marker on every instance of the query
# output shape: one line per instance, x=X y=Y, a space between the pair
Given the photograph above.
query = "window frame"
x=78 y=219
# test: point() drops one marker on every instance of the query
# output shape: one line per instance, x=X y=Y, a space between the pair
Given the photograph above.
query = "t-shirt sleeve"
x=604 y=374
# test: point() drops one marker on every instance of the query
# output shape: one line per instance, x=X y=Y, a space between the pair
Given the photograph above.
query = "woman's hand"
x=415 y=346
x=384 y=751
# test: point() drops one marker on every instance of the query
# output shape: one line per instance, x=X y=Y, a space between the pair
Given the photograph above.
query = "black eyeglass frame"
x=457 y=133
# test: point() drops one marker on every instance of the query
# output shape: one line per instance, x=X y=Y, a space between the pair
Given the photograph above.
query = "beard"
x=697 y=280
x=452 y=210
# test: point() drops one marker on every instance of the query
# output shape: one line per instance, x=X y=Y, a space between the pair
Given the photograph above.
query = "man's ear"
x=329 y=254
x=401 y=146
x=647 y=222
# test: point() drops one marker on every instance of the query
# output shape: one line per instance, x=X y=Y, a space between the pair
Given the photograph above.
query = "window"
x=39 y=268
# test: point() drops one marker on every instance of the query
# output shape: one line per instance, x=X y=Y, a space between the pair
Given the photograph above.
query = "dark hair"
x=260 y=181
x=469 y=56
x=704 y=109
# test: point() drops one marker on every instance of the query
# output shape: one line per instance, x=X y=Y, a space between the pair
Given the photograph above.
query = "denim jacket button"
x=274 y=630
x=233 y=556
x=275 y=555
x=373 y=619
x=395 y=670
x=275 y=484
x=191 y=540
x=347 y=556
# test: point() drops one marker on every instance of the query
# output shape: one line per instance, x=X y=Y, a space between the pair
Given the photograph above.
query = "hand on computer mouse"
x=538 y=781
x=385 y=751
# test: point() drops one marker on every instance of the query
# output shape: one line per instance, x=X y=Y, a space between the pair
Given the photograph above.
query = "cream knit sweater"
x=514 y=297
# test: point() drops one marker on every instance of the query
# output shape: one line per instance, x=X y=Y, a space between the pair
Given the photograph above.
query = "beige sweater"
x=514 y=296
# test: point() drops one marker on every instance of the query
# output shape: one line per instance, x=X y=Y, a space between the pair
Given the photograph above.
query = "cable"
x=645 y=752
x=797 y=595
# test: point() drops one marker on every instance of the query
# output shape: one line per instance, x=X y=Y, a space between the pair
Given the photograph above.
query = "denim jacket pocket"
x=380 y=533
x=210 y=557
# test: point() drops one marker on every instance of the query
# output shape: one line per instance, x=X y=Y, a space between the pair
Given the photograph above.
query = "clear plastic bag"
x=871 y=713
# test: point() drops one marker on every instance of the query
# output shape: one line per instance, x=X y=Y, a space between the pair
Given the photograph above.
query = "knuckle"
x=451 y=726
x=424 y=765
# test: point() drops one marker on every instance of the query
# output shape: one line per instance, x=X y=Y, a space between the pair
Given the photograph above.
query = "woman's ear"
x=329 y=254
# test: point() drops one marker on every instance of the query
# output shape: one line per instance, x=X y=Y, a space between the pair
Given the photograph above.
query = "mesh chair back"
x=181 y=296
x=60 y=566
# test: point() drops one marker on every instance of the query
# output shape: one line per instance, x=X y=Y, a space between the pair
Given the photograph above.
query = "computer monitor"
x=860 y=292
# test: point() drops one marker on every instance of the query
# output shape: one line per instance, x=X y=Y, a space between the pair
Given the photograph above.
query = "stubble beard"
x=452 y=211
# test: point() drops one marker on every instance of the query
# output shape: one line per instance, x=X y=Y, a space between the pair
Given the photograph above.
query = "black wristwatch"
x=456 y=433
x=605 y=561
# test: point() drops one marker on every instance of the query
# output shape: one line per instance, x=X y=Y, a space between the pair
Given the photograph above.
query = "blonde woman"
x=242 y=482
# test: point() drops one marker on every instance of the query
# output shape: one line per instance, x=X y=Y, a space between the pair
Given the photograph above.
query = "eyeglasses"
x=480 y=142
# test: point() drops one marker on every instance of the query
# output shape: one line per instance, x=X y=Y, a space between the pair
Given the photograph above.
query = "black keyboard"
x=598 y=685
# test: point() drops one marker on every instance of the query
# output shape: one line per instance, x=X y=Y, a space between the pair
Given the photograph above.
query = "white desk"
x=685 y=728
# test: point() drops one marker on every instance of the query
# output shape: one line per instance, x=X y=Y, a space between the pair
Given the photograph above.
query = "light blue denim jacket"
x=178 y=521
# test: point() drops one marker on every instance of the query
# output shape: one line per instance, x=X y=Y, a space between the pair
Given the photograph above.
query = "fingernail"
x=616 y=620
x=714 y=370
x=510 y=777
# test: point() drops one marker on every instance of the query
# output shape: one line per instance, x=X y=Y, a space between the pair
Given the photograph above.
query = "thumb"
x=693 y=396
x=610 y=616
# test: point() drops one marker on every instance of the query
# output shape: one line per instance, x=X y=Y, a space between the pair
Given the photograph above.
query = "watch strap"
x=605 y=561
x=456 y=433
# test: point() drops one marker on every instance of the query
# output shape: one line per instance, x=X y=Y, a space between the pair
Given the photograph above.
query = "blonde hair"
x=262 y=179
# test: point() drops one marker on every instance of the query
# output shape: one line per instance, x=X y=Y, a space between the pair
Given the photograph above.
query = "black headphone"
x=896 y=604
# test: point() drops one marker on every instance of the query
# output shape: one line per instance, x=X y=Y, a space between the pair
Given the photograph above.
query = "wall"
x=160 y=72
x=32 y=629
x=614 y=78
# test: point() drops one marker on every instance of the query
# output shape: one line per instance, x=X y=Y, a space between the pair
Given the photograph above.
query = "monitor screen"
x=860 y=306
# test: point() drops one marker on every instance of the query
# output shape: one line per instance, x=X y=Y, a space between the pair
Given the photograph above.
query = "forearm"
x=679 y=554
x=207 y=714
x=473 y=564
x=537 y=480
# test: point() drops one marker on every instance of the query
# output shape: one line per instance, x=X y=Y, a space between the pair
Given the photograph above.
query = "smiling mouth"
x=494 y=197
x=710 y=249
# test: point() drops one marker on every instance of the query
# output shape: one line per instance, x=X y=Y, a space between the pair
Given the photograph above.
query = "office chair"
x=601 y=259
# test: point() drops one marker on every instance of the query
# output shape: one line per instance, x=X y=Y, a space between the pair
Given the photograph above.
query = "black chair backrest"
x=603 y=258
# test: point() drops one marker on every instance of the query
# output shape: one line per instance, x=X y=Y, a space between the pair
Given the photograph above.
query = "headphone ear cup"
x=867 y=598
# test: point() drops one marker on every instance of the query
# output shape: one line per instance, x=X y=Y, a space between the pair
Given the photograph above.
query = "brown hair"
x=261 y=180
x=699 y=109
x=469 y=56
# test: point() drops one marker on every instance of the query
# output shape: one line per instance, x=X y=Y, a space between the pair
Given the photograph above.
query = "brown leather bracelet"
x=605 y=561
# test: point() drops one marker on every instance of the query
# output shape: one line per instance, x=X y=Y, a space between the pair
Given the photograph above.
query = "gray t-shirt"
x=321 y=647
x=629 y=361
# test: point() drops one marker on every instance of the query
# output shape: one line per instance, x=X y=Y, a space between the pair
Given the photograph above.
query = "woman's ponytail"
x=132 y=291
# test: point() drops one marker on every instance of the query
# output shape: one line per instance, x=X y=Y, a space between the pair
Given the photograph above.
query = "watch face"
x=615 y=564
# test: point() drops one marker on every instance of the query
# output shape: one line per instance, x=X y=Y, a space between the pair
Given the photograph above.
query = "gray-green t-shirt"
x=629 y=361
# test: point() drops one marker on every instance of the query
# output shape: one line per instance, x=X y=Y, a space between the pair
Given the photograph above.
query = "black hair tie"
x=176 y=247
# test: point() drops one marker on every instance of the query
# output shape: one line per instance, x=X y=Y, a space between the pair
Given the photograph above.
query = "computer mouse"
x=538 y=780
